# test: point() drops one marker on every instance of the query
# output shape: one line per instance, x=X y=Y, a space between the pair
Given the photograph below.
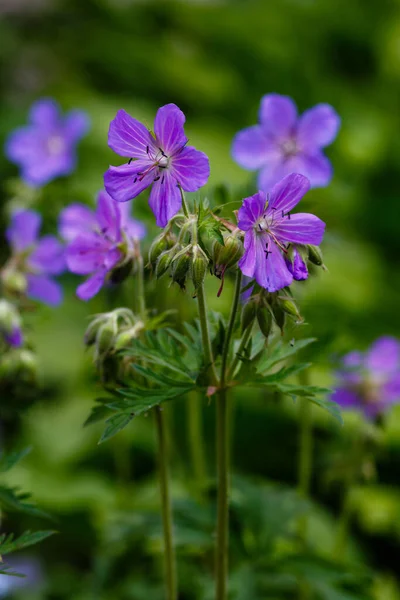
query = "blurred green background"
x=214 y=59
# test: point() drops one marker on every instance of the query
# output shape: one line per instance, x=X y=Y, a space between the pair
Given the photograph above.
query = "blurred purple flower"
x=370 y=381
x=26 y=565
x=163 y=161
x=38 y=259
x=269 y=225
x=284 y=143
x=45 y=149
x=98 y=240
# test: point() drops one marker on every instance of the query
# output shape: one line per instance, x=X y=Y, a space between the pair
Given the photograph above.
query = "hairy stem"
x=243 y=343
x=184 y=203
x=222 y=544
x=305 y=453
x=231 y=325
x=169 y=553
x=205 y=335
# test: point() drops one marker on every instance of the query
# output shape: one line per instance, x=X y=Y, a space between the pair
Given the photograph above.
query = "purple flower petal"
x=76 y=125
x=318 y=127
x=252 y=148
x=48 y=256
x=165 y=199
x=251 y=210
x=87 y=253
x=353 y=360
x=271 y=271
x=168 y=127
x=128 y=137
x=133 y=228
x=45 y=113
x=383 y=358
x=44 y=289
x=301 y=228
x=45 y=168
x=191 y=168
x=247 y=263
x=15 y=337
x=278 y=115
x=76 y=219
x=316 y=167
x=23 y=229
x=91 y=286
x=288 y=192
x=123 y=183
x=391 y=390
x=273 y=173
x=346 y=398
x=108 y=217
x=297 y=267
x=22 y=145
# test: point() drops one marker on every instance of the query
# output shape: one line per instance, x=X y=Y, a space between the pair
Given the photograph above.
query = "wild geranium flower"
x=99 y=241
x=269 y=226
x=296 y=265
x=163 y=161
x=35 y=259
x=370 y=381
x=284 y=143
x=46 y=147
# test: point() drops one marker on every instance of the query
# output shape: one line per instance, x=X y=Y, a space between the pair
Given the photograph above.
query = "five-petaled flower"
x=36 y=259
x=99 y=241
x=284 y=143
x=46 y=148
x=269 y=226
x=163 y=161
x=370 y=381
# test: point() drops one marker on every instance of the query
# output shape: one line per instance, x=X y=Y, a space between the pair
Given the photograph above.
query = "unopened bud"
x=28 y=362
x=315 y=255
x=199 y=266
x=14 y=281
x=161 y=243
x=181 y=266
x=289 y=307
x=89 y=337
x=10 y=324
x=165 y=259
x=125 y=337
x=227 y=255
x=264 y=318
x=279 y=315
x=248 y=313
x=105 y=337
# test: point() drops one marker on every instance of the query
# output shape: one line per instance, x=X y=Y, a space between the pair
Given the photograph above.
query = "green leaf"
x=13 y=501
x=115 y=424
x=98 y=413
x=6 y=570
x=10 y=544
x=329 y=405
x=7 y=461
x=280 y=352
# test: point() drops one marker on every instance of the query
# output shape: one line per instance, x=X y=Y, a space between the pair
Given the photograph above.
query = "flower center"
x=55 y=145
x=289 y=148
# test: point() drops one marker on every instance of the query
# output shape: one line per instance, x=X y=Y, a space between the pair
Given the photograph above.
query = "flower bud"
x=105 y=337
x=161 y=243
x=14 y=281
x=248 y=313
x=89 y=337
x=315 y=255
x=264 y=318
x=10 y=324
x=165 y=259
x=289 y=307
x=199 y=266
x=227 y=255
x=125 y=337
x=279 y=315
x=28 y=363
x=181 y=266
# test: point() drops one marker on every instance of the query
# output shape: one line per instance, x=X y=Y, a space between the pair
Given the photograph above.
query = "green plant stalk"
x=244 y=341
x=169 y=552
x=342 y=533
x=305 y=453
x=184 y=203
x=231 y=325
x=205 y=335
x=196 y=440
x=222 y=543
x=141 y=299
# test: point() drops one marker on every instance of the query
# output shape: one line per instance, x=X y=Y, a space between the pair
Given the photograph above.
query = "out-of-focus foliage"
x=214 y=60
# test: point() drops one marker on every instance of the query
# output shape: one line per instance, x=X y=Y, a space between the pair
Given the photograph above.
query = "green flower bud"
x=105 y=337
x=161 y=243
x=279 y=315
x=14 y=281
x=181 y=266
x=28 y=363
x=199 y=266
x=125 y=337
x=89 y=337
x=315 y=255
x=264 y=318
x=289 y=307
x=9 y=317
x=248 y=313
x=165 y=259
x=228 y=255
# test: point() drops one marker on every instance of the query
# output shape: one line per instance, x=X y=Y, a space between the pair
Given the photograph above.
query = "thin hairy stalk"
x=196 y=440
x=243 y=343
x=141 y=299
x=222 y=544
x=185 y=207
x=231 y=325
x=205 y=335
x=305 y=453
x=169 y=552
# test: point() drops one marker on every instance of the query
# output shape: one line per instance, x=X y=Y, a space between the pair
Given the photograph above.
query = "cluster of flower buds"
x=10 y=325
x=269 y=308
x=227 y=255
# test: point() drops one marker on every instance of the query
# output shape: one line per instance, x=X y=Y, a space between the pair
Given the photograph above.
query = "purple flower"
x=37 y=259
x=45 y=149
x=163 y=161
x=284 y=143
x=370 y=381
x=269 y=225
x=98 y=240
x=296 y=265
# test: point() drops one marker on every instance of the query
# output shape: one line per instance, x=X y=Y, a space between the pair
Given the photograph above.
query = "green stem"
x=169 y=553
x=185 y=207
x=140 y=287
x=305 y=453
x=342 y=534
x=242 y=346
x=196 y=443
x=231 y=325
x=222 y=544
x=205 y=334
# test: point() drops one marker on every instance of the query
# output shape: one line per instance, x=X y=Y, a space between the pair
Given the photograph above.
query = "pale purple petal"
x=76 y=125
x=273 y=172
x=45 y=113
x=47 y=167
x=112 y=258
x=301 y=228
x=22 y=145
x=346 y=398
x=297 y=267
x=278 y=115
x=391 y=389
x=288 y=192
x=168 y=128
x=353 y=360
x=108 y=217
x=15 y=337
x=251 y=210
x=247 y=263
x=128 y=137
x=76 y=219
x=383 y=358
x=135 y=229
x=44 y=289
x=191 y=168
x=271 y=271
x=123 y=183
x=23 y=230
x=48 y=256
x=316 y=167
x=252 y=148
x=318 y=127
x=87 y=253
x=91 y=286
x=165 y=199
